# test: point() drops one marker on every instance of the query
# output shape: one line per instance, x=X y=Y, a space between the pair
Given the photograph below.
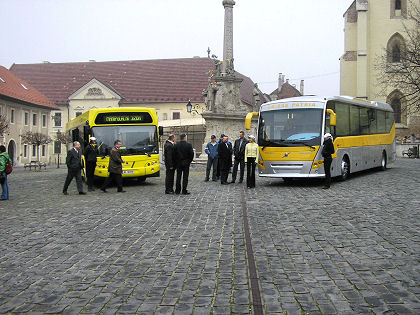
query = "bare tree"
x=400 y=69
x=35 y=138
x=4 y=125
x=63 y=138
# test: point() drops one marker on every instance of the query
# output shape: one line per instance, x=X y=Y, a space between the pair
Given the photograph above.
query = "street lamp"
x=194 y=109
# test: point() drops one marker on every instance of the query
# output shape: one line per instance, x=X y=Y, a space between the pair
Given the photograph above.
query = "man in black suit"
x=74 y=166
x=169 y=152
x=184 y=154
x=225 y=157
x=239 y=153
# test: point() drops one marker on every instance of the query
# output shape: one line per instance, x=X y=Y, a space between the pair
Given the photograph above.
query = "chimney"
x=302 y=85
x=281 y=80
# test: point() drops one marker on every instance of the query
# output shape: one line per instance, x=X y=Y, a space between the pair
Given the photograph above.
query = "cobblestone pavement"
x=353 y=249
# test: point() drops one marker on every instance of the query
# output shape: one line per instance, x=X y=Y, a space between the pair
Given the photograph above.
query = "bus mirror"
x=160 y=130
x=248 y=119
x=333 y=117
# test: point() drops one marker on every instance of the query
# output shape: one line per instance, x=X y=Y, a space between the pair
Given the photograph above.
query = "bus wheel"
x=383 y=161
x=345 y=168
x=141 y=179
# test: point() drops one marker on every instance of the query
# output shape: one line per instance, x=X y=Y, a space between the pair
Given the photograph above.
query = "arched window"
x=395 y=48
x=396 y=106
x=397 y=102
x=397 y=4
x=396 y=53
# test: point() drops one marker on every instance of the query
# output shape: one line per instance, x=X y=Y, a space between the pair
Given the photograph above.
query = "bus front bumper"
x=291 y=169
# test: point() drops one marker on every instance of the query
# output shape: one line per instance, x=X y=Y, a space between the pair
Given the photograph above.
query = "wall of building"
x=24 y=153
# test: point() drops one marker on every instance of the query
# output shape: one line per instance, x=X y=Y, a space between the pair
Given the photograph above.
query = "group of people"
x=178 y=157
x=219 y=152
x=74 y=166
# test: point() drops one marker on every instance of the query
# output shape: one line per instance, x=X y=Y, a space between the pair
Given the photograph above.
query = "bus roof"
x=91 y=114
x=344 y=99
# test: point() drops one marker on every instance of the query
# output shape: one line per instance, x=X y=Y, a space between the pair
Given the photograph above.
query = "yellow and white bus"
x=136 y=127
x=290 y=136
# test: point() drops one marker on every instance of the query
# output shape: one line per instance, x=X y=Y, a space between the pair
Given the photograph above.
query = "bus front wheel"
x=345 y=168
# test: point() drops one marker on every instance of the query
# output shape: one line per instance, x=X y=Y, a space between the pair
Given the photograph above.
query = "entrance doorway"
x=11 y=149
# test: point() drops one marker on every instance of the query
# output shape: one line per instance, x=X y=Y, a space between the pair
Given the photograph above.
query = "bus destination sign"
x=123 y=118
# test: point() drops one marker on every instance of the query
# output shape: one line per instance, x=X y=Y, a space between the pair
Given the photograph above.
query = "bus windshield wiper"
x=302 y=142
x=269 y=143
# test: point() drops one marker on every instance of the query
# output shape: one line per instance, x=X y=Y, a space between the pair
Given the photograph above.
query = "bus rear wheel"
x=345 y=168
x=383 y=161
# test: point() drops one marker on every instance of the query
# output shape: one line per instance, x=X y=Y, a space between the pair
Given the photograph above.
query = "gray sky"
x=303 y=39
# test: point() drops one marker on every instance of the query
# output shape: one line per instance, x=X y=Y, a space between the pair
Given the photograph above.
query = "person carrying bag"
x=5 y=169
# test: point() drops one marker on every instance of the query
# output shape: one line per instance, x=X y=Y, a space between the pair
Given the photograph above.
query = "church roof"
x=137 y=81
x=17 y=89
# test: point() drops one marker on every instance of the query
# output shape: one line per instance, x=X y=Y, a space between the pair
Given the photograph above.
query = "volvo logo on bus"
x=286 y=155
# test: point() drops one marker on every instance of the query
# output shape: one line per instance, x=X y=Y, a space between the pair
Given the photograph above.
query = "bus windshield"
x=135 y=139
x=290 y=127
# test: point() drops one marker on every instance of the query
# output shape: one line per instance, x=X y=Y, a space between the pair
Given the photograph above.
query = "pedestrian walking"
x=4 y=158
x=169 y=153
x=225 y=156
x=327 y=151
x=115 y=168
x=184 y=155
x=212 y=158
x=74 y=167
x=91 y=153
x=251 y=158
x=239 y=157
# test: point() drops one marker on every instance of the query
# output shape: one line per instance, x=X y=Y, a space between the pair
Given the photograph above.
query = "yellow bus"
x=136 y=127
x=290 y=136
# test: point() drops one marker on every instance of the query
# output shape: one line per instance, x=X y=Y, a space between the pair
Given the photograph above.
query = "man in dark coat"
x=115 y=168
x=225 y=157
x=184 y=154
x=91 y=152
x=327 y=151
x=239 y=153
x=169 y=152
x=74 y=167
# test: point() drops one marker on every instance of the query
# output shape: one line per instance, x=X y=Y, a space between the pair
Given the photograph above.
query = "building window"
x=398 y=8
x=396 y=106
x=57 y=147
x=176 y=115
x=34 y=119
x=43 y=150
x=25 y=150
x=397 y=4
x=165 y=116
x=44 y=120
x=33 y=150
x=57 y=119
x=26 y=118
x=395 y=48
x=12 y=116
x=78 y=114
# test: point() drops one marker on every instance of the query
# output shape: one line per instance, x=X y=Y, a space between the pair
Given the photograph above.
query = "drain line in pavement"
x=255 y=287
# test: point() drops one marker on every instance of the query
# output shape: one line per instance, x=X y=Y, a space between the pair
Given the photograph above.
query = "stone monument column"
x=228 y=34
x=225 y=112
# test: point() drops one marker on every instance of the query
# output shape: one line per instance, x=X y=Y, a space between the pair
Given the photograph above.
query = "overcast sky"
x=303 y=39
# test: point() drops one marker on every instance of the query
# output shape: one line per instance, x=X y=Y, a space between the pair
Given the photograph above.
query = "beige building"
x=25 y=109
x=371 y=26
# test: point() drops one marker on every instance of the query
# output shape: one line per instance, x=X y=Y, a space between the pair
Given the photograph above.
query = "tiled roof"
x=286 y=91
x=137 y=81
x=13 y=87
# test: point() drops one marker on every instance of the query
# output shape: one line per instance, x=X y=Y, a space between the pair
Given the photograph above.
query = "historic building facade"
x=25 y=109
x=371 y=26
x=165 y=84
